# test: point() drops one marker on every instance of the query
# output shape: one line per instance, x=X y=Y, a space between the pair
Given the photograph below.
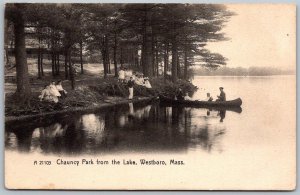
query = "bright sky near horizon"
x=260 y=35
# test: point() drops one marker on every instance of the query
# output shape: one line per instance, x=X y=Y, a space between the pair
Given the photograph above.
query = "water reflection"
x=128 y=128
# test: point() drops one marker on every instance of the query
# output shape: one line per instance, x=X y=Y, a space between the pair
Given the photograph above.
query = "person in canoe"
x=208 y=98
x=222 y=96
x=179 y=95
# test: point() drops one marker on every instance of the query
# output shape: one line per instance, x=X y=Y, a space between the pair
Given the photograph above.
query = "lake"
x=248 y=143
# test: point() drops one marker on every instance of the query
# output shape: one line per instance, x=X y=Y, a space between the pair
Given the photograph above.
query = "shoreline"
x=78 y=109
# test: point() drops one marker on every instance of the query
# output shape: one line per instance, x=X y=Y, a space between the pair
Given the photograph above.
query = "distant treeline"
x=239 y=71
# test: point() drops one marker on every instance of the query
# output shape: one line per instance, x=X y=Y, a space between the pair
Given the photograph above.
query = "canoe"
x=195 y=103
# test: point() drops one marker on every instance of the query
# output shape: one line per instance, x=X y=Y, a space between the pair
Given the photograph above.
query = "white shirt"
x=54 y=91
x=121 y=74
x=147 y=84
x=59 y=87
x=139 y=81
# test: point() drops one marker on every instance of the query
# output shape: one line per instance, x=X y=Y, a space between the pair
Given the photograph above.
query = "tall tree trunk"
x=52 y=53
x=152 y=70
x=81 y=62
x=142 y=63
x=147 y=52
x=103 y=53
x=66 y=64
x=185 y=65
x=106 y=51
x=178 y=66
x=39 y=58
x=39 y=65
x=166 y=59
x=58 y=64
x=174 y=61
x=156 y=59
x=23 y=86
x=108 y=61
x=128 y=57
x=121 y=57
x=42 y=67
x=136 y=55
x=6 y=55
x=115 y=55
x=71 y=71
x=174 y=54
x=7 y=62
x=53 y=64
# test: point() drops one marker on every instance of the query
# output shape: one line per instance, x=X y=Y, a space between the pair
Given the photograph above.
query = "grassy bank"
x=86 y=96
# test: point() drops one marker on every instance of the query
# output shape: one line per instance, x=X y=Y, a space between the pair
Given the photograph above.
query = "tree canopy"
x=152 y=38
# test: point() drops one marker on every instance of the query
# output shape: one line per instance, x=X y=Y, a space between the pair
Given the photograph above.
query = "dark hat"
x=221 y=88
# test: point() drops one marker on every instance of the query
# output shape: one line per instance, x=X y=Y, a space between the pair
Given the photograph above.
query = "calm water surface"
x=265 y=123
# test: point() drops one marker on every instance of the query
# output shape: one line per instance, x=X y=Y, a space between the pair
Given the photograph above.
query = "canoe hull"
x=232 y=103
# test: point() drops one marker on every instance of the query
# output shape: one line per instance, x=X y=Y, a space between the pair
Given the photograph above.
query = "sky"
x=260 y=35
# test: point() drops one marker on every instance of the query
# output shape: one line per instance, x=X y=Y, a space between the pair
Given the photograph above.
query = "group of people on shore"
x=180 y=96
x=126 y=75
x=133 y=78
x=53 y=92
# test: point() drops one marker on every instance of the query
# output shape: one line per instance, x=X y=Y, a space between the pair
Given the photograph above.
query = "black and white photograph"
x=149 y=96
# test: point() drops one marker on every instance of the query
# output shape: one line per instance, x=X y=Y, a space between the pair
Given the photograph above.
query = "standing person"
x=180 y=96
x=130 y=87
x=121 y=75
x=222 y=96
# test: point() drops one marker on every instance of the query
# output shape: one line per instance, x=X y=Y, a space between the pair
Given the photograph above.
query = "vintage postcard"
x=150 y=96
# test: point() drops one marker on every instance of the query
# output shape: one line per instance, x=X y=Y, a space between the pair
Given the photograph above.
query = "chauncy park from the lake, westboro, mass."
x=90 y=161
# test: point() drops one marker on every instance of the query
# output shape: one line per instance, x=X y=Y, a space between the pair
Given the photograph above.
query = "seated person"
x=121 y=75
x=187 y=97
x=139 y=80
x=47 y=95
x=53 y=89
x=133 y=76
x=208 y=98
x=60 y=89
x=147 y=83
x=128 y=74
x=222 y=96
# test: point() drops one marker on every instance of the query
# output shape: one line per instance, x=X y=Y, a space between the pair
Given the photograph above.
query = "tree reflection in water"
x=129 y=128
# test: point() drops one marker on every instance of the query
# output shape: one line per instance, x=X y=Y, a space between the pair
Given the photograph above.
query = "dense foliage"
x=153 y=38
